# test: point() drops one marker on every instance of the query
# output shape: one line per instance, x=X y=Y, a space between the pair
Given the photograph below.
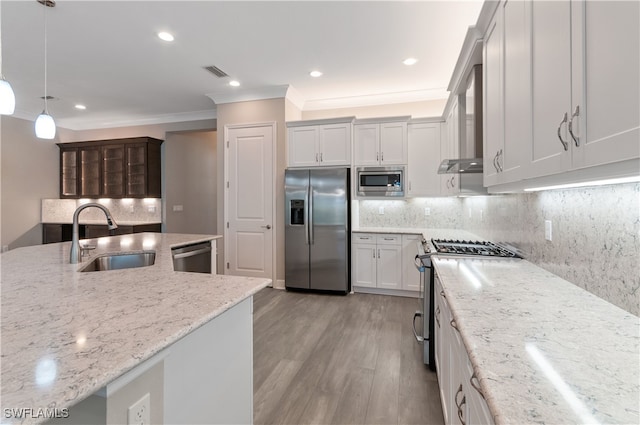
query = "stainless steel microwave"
x=380 y=181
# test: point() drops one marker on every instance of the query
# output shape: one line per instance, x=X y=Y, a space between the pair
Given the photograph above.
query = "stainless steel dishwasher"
x=194 y=258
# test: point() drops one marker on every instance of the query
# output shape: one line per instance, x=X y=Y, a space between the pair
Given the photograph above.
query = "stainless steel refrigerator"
x=317 y=229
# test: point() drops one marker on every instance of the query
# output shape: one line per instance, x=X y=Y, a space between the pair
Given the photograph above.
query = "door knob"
x=268 y=226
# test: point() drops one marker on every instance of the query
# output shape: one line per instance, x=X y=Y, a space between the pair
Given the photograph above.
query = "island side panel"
x=209 y=373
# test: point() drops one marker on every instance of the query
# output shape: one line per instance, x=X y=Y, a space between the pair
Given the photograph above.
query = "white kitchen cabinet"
x=450 y=149
x=561 y=85
x=424 y=159
x=410 y=275
x=380 y=143
x=319 y=145
x=507 y=85
x=377 y=261
x=462 y=402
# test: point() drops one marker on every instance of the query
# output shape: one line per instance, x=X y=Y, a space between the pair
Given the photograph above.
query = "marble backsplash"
x=595 y=231
x=595 y=235
x=444 y=213
x=123 y=210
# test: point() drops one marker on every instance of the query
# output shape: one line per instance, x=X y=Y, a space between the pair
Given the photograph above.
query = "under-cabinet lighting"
x=149 y=200
x=585 y=184
x=105 y=201
x=82 y=201
x=127 y=201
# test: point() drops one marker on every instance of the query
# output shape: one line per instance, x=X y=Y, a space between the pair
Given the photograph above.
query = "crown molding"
x=245 y=95
x=376 y=99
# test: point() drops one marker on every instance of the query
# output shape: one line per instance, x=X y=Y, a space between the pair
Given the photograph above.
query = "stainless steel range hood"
x=454 y=166
x=470 y=129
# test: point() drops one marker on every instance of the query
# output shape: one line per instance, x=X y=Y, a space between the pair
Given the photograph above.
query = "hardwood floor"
x=331 y=359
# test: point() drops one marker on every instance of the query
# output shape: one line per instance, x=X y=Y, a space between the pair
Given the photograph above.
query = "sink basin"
x=120 y=261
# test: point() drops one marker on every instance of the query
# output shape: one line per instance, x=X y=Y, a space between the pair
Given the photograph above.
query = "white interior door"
x=249 y=230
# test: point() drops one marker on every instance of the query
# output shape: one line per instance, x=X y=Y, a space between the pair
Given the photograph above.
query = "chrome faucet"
x=74 y=255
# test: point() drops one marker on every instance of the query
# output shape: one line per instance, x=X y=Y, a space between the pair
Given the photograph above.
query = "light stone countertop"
x=66 y=334
x=545 y=351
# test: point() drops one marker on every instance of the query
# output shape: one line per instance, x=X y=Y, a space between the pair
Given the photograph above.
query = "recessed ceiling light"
x=410 y=61
x=234 y=83
x=315 y=74
x=81 y=107
x=165 y=36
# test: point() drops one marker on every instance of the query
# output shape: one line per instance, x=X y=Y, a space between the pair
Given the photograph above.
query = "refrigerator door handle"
x=310 y=215
x=306 y=216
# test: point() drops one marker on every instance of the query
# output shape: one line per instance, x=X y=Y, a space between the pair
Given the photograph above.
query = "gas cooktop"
x=482 y=248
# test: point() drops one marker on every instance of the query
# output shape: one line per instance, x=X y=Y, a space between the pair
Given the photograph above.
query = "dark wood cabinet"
x=117 y=168
x=57 y=232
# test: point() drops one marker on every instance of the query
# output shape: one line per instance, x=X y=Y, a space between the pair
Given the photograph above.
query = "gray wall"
x=190 y=175
x=30 y=172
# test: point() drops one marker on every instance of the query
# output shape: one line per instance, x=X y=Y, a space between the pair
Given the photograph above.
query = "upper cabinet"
x=424 y=159
x=507 y=88
x=450 y=148
x=119 y=168
x=320 y=143
x=561 y=92
x=381 y=141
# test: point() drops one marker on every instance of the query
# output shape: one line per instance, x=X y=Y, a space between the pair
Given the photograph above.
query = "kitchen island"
x=68 y=336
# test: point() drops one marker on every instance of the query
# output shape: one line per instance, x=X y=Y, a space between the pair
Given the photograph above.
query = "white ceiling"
x=106 y=55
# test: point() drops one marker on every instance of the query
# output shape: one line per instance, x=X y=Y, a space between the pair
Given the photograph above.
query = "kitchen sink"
x=120 y=261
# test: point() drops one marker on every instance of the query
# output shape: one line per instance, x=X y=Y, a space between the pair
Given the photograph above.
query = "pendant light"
x=7 y=98
x=45 y=126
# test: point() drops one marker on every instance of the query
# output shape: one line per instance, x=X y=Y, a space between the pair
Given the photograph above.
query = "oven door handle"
x=418 y=337
x=418 y=263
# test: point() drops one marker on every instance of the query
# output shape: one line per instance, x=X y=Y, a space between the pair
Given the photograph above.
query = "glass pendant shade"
x=45 y=126
x=7 y=98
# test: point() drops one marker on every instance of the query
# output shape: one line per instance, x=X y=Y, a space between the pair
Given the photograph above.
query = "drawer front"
x=363 y=238
x=389 y=239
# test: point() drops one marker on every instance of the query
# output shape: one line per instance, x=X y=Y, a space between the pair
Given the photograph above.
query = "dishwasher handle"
x=192 y=253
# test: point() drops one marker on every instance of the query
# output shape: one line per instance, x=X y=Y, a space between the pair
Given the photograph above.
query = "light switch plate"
x=548 y=230
x=427 y=211
x=381 y=210
x=177 y=208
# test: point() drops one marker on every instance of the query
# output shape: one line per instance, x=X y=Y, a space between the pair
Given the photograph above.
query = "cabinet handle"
x=455 y=397
x=374 y=253
x=499 y=159
x=389 y=239
x=565 y=145
x=448 y=184
x=576 y=113
x=442 y=294
x=453 y=182
x=462 y=403
x=409 y=184
x=377 y=156
x=320 y=156
x=474 y=385
x=382 y=156
x=378 y=253
x=316 y=157
x=364 y=238
x=438 y=315
x=454 y=325
x=495 y=161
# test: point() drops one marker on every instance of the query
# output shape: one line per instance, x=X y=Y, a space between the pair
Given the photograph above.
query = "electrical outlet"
x=548 y=230
x=381 y=210
x=177 y=208
x=427 y=211
x=140 y=412
x=131 y=209
x=151 y=208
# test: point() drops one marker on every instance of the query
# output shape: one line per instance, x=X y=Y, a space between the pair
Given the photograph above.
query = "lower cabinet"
x=377 y=261
x=462 y=400
x=384 y=263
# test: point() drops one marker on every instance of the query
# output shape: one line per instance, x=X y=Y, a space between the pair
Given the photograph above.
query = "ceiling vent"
x=216 y=71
